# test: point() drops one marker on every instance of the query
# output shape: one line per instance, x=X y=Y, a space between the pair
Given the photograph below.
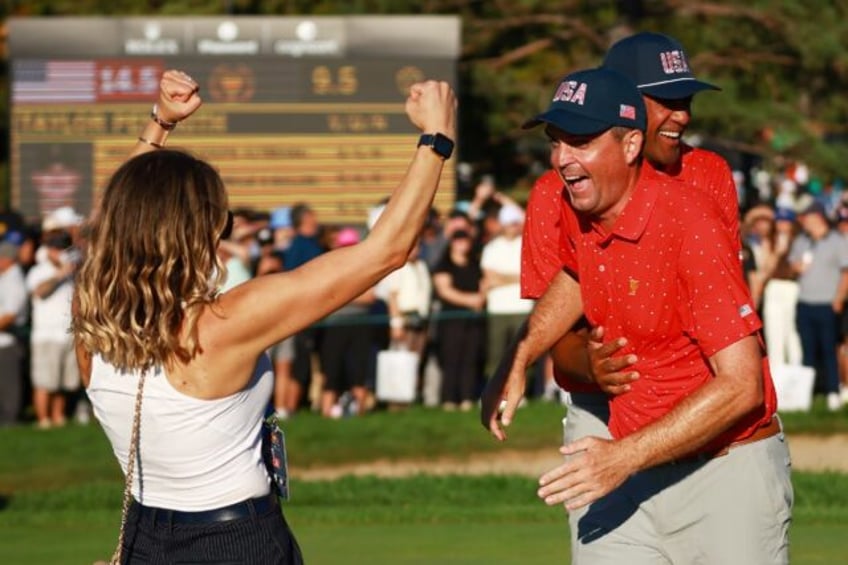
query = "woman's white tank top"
x=193 y=454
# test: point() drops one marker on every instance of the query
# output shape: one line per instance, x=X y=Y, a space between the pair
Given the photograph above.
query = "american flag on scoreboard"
x=54 y=81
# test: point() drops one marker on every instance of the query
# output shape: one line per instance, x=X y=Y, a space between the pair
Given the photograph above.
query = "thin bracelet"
x=152 y=143
x=154 y=115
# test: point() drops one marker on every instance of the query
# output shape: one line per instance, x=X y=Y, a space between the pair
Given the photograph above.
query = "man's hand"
x=484 y=190
x=504 y=392
x=178 y=96
x=608 y=371
x=594 y=468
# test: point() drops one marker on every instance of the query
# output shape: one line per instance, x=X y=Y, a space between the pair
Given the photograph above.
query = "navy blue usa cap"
x=592 y=101
x=657 y=64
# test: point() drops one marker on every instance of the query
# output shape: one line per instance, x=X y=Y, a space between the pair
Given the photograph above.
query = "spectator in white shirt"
x=54 y=369
x=501 y=264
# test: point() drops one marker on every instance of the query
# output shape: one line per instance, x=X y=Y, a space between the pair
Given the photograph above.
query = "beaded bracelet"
x=154 y=115
x=152 y=143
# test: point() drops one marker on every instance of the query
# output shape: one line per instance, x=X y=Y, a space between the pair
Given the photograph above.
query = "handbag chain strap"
x=116 y=557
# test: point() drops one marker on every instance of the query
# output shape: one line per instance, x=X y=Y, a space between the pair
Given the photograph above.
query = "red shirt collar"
x=633 y=220
x=677 y=172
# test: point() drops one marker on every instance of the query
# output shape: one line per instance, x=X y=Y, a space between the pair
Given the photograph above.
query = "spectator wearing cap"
x=345 y=348
x=506 y=311
x=780 y=295
x=50 y=282
x=280 y=224
x=490 y=226
x=14 y=230
x=483 y=209
x=63 y=218
x=10 y=221
x=267 y=260
x=758 y=229
x=820 y=258
x=13 y=317
x=457 y=279
x=656 y=273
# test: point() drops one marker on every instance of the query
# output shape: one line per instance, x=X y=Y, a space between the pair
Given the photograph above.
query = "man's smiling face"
x=667 y=122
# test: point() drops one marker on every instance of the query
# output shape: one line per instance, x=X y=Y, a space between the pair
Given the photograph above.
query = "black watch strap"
x=441 y=144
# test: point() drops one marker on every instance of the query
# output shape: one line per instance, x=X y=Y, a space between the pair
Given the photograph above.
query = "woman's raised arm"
x=178 y=99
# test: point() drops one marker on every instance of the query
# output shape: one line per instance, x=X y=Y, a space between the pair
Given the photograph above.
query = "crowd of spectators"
x=456 y=303
x=795 y=249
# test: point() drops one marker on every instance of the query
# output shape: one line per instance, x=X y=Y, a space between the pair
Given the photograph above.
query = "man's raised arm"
x=553 y=315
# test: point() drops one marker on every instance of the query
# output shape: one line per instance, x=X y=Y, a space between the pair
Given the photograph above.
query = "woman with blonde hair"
x=176 y=372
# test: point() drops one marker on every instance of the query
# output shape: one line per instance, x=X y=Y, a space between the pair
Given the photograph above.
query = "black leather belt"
x=244 y=509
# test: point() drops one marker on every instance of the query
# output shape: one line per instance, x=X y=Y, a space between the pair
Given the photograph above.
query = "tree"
x=782 y=66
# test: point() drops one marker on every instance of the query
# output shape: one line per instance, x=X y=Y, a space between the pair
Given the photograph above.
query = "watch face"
x=443 y=145
x=439 y=143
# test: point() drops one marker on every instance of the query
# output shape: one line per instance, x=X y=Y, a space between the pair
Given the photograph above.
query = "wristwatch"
x=441 y=145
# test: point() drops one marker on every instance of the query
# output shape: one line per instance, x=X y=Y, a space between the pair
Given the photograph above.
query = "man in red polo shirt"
x=695 y=467
x=658 y=66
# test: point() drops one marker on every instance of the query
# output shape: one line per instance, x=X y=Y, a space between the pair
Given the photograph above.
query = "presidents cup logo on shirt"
x=571 y=91
x=674 y=62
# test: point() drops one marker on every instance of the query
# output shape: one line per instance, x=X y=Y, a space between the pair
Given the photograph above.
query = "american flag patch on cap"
x=627 y=111
x=745 y=310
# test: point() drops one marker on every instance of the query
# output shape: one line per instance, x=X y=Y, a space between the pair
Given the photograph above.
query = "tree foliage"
x=783 y=66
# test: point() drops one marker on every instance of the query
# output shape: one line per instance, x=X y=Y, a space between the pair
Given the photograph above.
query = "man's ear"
x=632 y=145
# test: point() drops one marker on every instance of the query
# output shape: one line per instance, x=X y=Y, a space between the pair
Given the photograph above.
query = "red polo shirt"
x=666 y=277
x=541 y=252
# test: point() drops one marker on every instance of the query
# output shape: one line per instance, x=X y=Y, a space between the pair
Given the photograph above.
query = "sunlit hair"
x=151 y=261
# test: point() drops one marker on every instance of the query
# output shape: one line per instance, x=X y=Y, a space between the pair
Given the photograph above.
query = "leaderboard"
x=295 y=109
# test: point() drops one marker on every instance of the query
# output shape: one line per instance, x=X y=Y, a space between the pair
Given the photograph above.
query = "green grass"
x=818 y=421
x=405 y=521
x=74 y=454
x=60 y=494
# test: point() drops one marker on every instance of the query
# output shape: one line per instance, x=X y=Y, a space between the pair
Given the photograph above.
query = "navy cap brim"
x=568 y=122
x=677 y=89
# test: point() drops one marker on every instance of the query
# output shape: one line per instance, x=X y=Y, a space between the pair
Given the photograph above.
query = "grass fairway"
x=60 y=496
x=55 y=543
x=419 y=520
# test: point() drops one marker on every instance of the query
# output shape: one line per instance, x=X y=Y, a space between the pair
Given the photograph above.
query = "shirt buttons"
x=601 y=268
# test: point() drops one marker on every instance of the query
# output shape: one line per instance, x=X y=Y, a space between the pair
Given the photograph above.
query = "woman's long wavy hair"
x=151 y=262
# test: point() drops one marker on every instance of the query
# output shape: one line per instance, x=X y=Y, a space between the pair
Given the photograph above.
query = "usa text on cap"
x=657 y=64
x=592 y=101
